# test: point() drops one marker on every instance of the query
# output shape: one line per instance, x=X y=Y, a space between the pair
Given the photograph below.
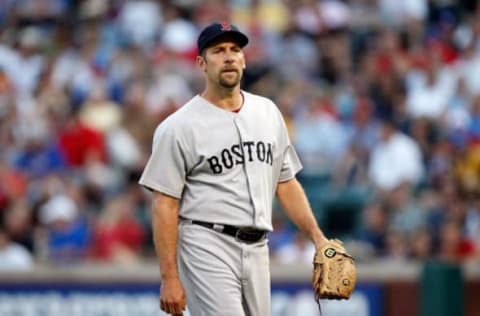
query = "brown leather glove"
x=334 y=272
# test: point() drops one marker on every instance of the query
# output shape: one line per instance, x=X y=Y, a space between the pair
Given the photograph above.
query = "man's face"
x=223 y=63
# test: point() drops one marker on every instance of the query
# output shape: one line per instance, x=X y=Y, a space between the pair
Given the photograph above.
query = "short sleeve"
x=166 y=168
x=291 y=164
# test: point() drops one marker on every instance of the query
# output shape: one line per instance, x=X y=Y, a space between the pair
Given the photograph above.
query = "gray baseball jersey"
x=223 y=166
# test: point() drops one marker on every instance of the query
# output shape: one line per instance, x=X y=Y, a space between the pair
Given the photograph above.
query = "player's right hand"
x=172 y=297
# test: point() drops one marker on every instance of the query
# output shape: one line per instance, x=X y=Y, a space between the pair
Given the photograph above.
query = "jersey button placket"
x=249 y=171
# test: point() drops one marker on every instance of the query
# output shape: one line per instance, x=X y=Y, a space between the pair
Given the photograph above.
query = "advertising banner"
x=131 y=299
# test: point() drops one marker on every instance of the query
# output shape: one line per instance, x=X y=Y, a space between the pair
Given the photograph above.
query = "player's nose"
x=229 y=56
x=229 y=59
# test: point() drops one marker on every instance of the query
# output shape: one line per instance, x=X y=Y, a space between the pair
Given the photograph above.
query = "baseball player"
x=215 y=166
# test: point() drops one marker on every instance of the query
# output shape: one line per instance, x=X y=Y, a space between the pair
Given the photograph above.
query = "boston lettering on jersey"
x=230 y=157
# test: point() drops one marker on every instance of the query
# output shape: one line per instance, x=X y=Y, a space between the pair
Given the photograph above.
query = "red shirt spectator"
x=454 y=246
x=78 y=142
x=118 y=236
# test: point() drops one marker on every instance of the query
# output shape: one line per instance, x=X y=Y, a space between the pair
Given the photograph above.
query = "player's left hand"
x=334 y=274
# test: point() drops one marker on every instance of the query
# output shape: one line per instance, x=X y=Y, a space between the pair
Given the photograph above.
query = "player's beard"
x=229 y=81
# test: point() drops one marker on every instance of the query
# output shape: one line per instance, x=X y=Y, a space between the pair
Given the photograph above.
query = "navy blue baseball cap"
x=216 y=30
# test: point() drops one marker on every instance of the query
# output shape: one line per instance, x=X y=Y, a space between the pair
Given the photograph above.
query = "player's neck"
x=230 y=100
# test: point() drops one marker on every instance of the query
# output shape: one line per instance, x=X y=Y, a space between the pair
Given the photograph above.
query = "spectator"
x=78 y=142
x=406 y=213
x=301 y=250
x=319 y=118
x=396 y=246
x=474 y=126
x=13 y=256
x=428 y=94
x=402 y=13
x=374 y=229
x=472 y=225
x=140 y=21
x=40 y=157
x=454 y=247
x=118 y=233
x=282 y=233
x=468 y=67
x=362 y=135
x=137 y=120
x=13 y=186
x=421 y=245
x=69 y=236
x=25 y=64
x=395 y=159
x=99 y=112
x=18 y=223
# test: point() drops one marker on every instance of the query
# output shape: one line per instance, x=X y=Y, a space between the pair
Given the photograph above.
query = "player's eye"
x=217 y=50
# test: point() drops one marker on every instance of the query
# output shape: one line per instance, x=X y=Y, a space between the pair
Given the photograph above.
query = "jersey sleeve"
x=291 y=163
x=165 y=170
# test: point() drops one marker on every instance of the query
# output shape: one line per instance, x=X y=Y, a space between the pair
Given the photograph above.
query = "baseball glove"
x=334 y=272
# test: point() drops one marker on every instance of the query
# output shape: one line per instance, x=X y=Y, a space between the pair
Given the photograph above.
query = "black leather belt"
x=247 y=235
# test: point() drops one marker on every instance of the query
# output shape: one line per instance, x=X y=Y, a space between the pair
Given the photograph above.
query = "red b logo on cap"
x=225 y=26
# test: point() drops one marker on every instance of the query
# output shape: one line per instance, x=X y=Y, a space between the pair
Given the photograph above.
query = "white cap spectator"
x=58 y=208
x=179 y=36
x=335 y=14
x=140 y=21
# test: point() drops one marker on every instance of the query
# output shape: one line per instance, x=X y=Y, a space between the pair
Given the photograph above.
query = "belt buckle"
x=247 y=233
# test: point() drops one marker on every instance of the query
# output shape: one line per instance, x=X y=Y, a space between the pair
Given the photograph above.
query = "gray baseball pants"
x=223 y=276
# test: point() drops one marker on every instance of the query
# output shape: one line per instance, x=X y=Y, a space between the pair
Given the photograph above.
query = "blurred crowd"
x=381 y=98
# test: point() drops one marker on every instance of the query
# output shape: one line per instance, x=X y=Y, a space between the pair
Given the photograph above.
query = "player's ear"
x=200 y=61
